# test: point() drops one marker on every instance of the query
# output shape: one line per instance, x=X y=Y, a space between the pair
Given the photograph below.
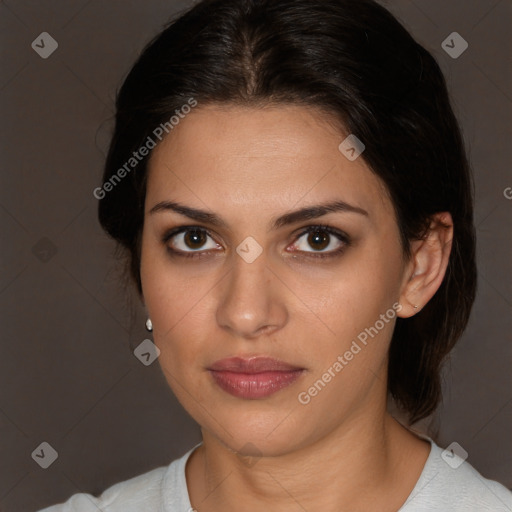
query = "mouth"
x=254 y=378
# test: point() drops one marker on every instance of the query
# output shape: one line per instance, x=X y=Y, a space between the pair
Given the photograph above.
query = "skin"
x=342 y=450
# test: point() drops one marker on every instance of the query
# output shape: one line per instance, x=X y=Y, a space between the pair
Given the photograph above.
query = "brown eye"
x=189 y=241
x=194 y=239
x=318 y=239
x=323 y=240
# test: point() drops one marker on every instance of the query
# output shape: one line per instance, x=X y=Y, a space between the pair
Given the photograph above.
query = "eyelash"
x=340 y=235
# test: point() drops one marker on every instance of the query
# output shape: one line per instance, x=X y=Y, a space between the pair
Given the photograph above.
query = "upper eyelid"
x=340 y=234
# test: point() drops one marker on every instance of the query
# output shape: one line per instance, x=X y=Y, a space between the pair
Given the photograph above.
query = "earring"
x=149 y=325
x=415 y=307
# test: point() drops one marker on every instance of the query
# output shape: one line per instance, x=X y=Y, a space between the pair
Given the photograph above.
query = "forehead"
x=281 y=155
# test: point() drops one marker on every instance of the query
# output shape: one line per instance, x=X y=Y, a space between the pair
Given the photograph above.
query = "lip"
x=257 y=377
x=256 y=364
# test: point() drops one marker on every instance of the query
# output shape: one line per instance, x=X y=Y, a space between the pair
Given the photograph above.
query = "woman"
x=290 y=185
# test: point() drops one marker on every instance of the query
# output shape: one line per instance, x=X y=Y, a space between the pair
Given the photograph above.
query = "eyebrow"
x=306 y=213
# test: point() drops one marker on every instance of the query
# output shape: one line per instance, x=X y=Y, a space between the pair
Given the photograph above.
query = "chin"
x=255 y=433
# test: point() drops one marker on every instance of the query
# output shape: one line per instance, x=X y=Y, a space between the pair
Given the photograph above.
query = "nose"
x=252 y=301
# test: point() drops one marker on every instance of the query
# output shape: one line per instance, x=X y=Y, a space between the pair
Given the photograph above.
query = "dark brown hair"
x=354 y=60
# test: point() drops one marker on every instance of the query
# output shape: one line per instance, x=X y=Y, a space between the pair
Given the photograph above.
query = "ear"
x=426 y=268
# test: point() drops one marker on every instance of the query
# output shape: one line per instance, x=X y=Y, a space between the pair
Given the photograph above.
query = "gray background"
x=68 y=374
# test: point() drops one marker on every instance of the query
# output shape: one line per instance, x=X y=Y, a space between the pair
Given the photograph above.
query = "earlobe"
x=428 y=264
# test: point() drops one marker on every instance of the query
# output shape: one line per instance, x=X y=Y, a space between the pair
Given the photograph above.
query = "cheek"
x=346 y=365
x=177 y=303
x=357 y=306
x=364 y=286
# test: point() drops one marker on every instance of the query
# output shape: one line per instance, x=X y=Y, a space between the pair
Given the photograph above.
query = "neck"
x=361 y=465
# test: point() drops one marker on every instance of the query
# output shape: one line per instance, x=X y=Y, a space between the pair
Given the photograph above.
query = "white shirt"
x=442 y=487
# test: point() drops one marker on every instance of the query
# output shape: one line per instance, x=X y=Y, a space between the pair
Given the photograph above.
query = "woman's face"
x=250 y=280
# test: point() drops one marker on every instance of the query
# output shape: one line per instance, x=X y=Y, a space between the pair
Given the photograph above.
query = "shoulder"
x=148 y=491
x=450 y=483
x=137 y=491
